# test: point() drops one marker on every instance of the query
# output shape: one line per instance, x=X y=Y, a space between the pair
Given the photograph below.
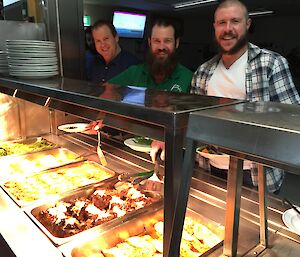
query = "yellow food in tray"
x=35 y=162
x=56 y=181
x=11 y=148
x=196 y=240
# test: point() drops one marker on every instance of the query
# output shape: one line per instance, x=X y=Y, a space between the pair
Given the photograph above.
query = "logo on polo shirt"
x=176 y=88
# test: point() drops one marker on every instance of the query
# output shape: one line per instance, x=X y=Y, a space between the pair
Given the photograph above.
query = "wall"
x=276 y=33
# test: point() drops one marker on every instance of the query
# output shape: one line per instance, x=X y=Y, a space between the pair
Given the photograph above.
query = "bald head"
x=231 y=3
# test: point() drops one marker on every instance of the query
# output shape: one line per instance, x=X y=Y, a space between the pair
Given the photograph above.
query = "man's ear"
x=249 y=21
x=177 y=42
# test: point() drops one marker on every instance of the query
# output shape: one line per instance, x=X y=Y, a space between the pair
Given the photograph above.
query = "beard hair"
x=238 y=46
x=161 y=67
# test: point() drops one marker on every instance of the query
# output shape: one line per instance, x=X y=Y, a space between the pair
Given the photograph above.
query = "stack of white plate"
x=32 y=58
x=3 y=63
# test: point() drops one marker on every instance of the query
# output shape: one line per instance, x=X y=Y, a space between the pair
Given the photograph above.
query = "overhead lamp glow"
x=192 y=3
x=260 y=13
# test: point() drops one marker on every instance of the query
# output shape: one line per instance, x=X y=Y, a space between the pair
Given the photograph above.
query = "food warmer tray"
x=27 y=141
x=34 y=210
x=23 y=203
x=88 y=247
x=31 y=163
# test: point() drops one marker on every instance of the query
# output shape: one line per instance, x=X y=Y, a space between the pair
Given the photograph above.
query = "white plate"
x=30 y=50
x=292 y=220
x=74 y=127
x=33 y=75
x=29 y=55
x=17 y=68
x=39 y=47
x=137 y=147
x=29 y=42
x=221 y=161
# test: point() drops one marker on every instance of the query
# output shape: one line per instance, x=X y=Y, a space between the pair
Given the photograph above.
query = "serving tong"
x=157 y=165
x=291 y=205
x=135 y=178
x=99 y=151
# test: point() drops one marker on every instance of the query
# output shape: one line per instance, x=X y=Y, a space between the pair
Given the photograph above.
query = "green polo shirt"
x=138 y=75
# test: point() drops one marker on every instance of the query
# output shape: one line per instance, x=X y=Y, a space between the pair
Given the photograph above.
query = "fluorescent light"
x=259 y=13
x=192 y=3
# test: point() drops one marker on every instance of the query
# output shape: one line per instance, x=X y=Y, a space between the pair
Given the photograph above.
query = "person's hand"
x=93 y=127
x=155 y=146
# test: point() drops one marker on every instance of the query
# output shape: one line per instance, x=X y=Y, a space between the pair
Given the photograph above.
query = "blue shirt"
x=101 y=72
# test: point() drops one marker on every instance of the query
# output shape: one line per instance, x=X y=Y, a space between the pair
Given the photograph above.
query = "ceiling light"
x=260 y=13
x=192 y=3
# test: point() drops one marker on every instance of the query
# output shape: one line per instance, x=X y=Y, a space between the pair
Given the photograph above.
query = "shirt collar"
x=253 y=51
x=113 y=62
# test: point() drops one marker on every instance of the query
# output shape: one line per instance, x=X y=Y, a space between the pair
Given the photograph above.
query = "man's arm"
x=281 y=85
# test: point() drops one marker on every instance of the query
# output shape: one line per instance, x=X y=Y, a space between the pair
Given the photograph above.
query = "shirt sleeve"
x=282 y=88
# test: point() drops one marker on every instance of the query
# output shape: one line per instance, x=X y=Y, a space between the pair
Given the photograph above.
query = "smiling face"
x=231 y=28
x=106 y=44
x=162 y=42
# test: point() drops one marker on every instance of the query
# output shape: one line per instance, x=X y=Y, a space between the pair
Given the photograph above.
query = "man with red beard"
x=244 y=71
x=161 y=70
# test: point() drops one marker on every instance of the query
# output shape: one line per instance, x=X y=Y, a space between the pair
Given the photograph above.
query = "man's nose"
x=161 y=45
x=228 y=26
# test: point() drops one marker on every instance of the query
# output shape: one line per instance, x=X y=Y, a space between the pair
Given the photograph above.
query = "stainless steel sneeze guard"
x=265 y=132
x=158 y=114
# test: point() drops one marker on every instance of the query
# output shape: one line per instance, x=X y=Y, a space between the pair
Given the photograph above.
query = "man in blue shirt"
x=111 y=60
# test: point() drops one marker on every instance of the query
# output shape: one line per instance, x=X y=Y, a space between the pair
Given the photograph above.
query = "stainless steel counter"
x=264 y=132
x=157 y=114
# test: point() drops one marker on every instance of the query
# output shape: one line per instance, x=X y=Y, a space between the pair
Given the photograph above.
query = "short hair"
x=228 y=3
x=101 y=23
x=165 y=22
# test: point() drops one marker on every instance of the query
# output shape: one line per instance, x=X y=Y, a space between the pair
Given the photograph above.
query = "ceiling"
x=280 y=7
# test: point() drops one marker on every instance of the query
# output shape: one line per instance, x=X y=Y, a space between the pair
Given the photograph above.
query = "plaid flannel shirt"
x=268 y=78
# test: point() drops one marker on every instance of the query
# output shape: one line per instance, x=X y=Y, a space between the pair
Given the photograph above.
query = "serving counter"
x=266 y=133
x=155 y=114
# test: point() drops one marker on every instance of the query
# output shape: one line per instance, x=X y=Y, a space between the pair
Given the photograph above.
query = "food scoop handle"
x=100 y=152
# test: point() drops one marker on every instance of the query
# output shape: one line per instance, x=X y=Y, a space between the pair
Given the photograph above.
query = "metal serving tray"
x=27 y=142
x=33 y=211
x=143 y=224
x=31 y=163
x=51 y=180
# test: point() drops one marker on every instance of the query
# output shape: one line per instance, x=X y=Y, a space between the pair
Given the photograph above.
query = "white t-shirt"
x=229 y=82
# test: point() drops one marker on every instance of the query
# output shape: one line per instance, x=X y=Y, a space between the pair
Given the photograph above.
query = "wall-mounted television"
x=130 y=25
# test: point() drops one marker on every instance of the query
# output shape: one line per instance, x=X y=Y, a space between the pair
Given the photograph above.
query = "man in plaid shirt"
x=244 y=71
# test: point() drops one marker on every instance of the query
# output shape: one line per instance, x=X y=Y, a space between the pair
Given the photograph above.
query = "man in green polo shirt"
x=161 y=70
